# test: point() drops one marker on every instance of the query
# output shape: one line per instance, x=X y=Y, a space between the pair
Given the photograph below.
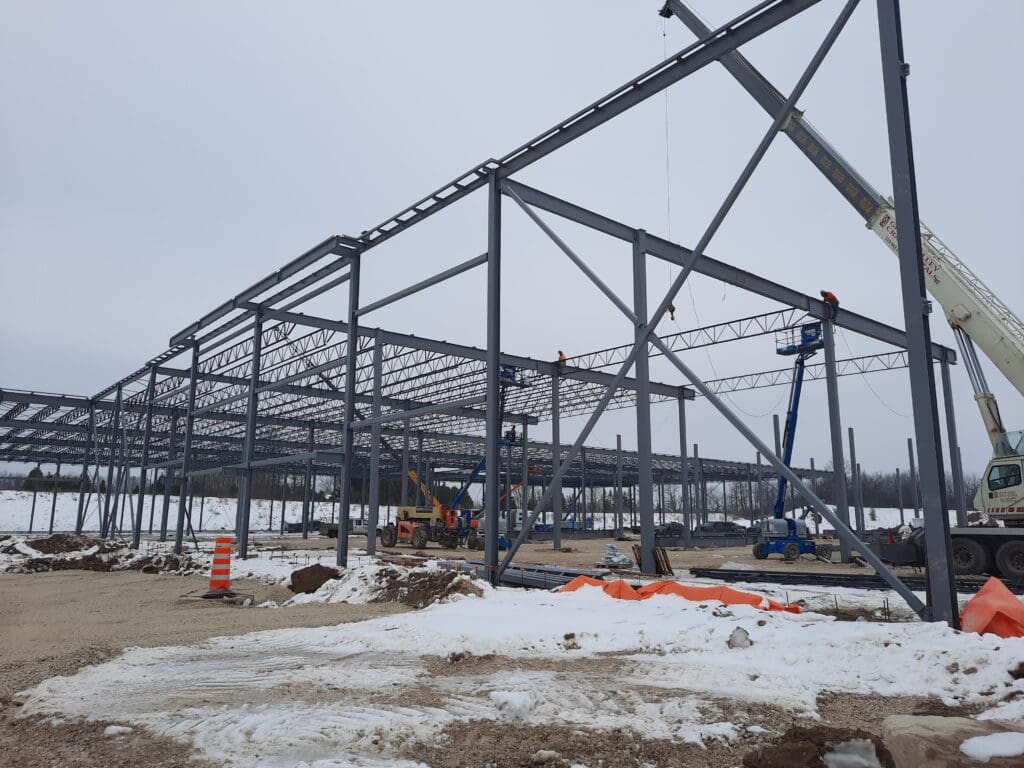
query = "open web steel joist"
x=256 y=383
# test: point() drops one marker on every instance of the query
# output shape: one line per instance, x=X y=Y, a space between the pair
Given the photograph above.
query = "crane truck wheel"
x=791 y=551
x=760 y=551
x=472 y=540
x=419 y=537
x=969 y=557
x=388 y=535
x=1010 y=560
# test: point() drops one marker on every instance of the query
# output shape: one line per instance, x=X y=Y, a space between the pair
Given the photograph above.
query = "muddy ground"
x=53 y=623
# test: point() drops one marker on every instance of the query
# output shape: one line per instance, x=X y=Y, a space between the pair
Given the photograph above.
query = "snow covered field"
x=364 y=694
x=217 y=514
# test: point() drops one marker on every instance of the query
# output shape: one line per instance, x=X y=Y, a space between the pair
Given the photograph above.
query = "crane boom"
x=969 y=305
x=427 y=495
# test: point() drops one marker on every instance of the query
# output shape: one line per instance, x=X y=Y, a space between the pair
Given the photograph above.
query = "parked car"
x=670 y=530
x=722 y=528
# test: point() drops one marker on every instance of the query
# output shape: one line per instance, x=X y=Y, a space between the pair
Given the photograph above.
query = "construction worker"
x=830 y=299
x=561 y=361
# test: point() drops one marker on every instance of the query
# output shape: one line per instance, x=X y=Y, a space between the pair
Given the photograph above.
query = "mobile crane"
x=975 y=313
x=781 y=535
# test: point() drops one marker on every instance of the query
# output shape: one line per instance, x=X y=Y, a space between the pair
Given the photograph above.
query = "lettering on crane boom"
x=829 y=165
x=885 y=227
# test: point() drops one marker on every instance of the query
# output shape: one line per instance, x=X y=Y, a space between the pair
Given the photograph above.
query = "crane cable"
x=668 y=217
x=867 y=383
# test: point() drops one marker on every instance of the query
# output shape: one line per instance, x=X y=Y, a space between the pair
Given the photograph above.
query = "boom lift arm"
x=975 y=313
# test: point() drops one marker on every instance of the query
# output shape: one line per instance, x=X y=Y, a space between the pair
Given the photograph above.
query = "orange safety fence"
x=623 y=591
x=220 y=571
x=994 y=610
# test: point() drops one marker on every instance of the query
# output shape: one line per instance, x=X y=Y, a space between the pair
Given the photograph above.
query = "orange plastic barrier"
x=220 y=571
x=623 y=591
x=994 y=610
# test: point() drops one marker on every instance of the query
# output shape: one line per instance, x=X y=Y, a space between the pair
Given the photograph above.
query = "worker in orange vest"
x=561 y=361
x=830 y=299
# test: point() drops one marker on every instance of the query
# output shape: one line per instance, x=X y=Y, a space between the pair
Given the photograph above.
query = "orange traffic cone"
x=220 y=571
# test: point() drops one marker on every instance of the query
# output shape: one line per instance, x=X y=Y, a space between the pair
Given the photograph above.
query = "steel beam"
x=492 y=476
x=344 y=505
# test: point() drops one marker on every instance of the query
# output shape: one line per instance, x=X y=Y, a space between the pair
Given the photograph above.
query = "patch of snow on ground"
x=359 y=693
x=984 y=748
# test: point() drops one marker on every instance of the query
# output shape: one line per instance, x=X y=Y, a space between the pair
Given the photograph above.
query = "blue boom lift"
x=781 y=535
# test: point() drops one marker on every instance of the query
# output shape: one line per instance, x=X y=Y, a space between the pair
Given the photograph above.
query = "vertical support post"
x=556 y=459
x=915 y=490
x=375 y=439
x=899 y=495
x=307 y=482
x=88 y=457
x=405 y=464
x=492 y=477
x=186 y=453
x=284 y=499
x=855 y=483
x=953 y=446
x=419 y=470
x=171 y=453
x=618 y=486
x=835 y=429
x=249 y=447
x=348 y=442
x=525 y=507
x=760 y=487
x=115 y=424
x=684 y=472
x=53 y=502
x=916 y=307
x=698 y=484
x=144 y=463
x=32 y=514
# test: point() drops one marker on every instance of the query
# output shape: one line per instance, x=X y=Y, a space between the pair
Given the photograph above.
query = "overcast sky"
x=156 y=158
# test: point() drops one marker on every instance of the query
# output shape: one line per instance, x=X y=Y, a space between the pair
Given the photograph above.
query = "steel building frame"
x=266 y=386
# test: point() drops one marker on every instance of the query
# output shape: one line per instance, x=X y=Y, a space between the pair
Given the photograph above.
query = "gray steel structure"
x=267 y=388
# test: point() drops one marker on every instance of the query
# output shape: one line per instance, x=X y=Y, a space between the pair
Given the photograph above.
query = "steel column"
x=375 y=439
x=171 y=450
x=186 y=453
x=115 y=422
x=144 y=463
x=492 y=477
x=53 y=502
x=835 y=429
x=307 y=483
x=525 y=507
x=351 y=349
x=684 y=472
x=556 y=460
x=90 y=451
x=249 y=448
x=645 y=479
x=916 y=308
x=855 y=483
x=618 y=486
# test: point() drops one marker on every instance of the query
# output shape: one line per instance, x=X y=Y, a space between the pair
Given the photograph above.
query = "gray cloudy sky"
x=158 y=157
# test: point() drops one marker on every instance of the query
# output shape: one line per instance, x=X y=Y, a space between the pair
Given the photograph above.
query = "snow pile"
x=368 y=580
x=363 y=693
x=984 y=748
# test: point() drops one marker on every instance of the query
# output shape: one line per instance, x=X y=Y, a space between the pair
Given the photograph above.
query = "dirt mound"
x=309 y=579
x=419 y=588
x=106 y=560
x=806 y=748
x=59 y=543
